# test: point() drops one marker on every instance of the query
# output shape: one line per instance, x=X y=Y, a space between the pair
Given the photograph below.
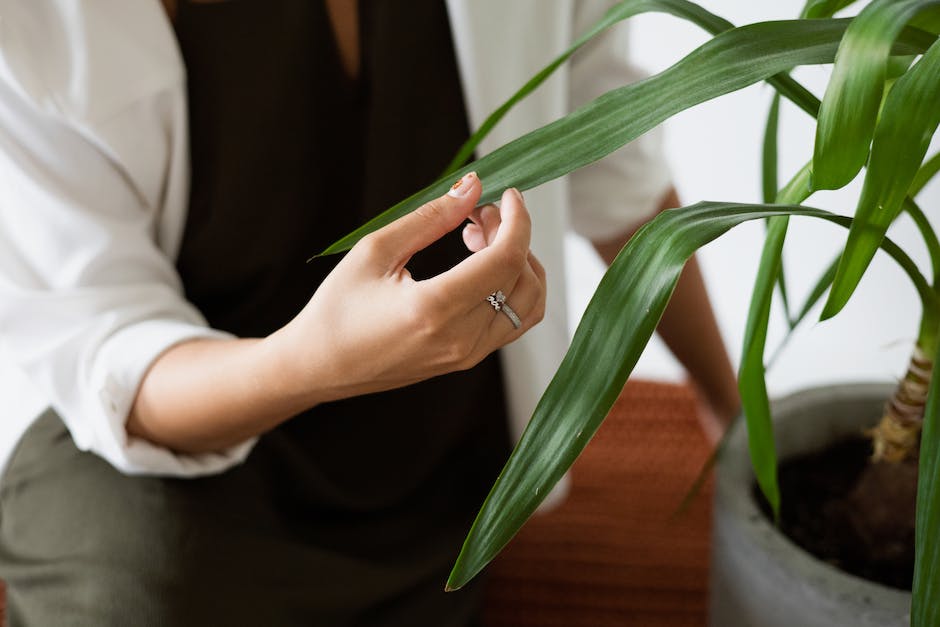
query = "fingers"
x=527 y=301
x=401 y=239
x=538 y=269
x=498 y=265
x=473 y=238
x=480 y=233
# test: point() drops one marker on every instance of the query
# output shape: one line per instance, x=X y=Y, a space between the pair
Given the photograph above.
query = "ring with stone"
x=498 y=301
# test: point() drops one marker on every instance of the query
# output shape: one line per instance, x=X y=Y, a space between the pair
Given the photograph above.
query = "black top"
x=289 y=154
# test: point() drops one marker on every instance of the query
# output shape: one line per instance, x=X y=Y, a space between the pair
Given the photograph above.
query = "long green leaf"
x=704 y=471
x=925 y=607
x=909 y=119
x=769 y=183
x=731 y=61
x=710 y=22
x=825 y=8
x=755 y=401
x=603 y=352
x=815 y=295
x=928 y=20
x=769 y=151
x=926 y=172
x=819 y=289
x=622 y=11
x=930 y=236
x=752 y=373
x=752 y=386
x=850 y=105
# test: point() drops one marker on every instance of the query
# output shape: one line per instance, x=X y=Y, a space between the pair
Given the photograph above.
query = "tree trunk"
x=897 y=436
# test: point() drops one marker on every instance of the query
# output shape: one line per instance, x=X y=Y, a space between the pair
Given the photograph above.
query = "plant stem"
x=896 y=437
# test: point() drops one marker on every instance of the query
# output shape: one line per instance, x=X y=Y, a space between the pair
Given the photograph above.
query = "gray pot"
x=759 y=578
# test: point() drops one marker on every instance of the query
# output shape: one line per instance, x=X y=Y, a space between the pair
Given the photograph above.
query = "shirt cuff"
x=119 y=367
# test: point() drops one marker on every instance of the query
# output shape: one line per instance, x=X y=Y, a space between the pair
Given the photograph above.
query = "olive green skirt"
x=83 y=544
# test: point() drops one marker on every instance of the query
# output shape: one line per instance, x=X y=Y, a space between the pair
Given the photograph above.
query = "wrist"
x=280 y=374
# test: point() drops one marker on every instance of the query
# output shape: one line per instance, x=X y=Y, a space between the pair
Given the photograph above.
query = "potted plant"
x=879 y=113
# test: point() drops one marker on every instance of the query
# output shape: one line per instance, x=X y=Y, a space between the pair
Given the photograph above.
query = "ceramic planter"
x=759 y=578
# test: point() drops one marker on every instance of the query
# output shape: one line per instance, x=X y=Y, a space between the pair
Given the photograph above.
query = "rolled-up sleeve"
x=613 y=195
x=89 y=297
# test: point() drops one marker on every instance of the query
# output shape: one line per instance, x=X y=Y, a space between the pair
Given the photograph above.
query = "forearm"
x=369 y=327
x=207 y=395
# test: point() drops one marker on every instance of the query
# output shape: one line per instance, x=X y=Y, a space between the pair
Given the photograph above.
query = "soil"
x=854 y=514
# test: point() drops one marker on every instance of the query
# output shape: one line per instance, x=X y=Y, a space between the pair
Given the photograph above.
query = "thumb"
x=431 y=221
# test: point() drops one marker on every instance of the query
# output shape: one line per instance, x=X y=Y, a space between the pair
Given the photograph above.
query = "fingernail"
x=518 y=195
x=461 y=187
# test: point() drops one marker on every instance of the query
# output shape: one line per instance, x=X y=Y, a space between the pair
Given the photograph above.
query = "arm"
x=689 y=329
x=92 y=201
x=368 y=328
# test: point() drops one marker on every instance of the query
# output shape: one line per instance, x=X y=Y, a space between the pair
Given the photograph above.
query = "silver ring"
x=498 y=301
x=516 y=322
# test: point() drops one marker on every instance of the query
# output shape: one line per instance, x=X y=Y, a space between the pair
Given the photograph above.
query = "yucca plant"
x=879 y=113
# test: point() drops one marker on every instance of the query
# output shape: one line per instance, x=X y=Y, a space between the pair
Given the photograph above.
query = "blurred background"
x=715 y=152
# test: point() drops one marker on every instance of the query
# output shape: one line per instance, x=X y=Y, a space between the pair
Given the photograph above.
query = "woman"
x=177 y=332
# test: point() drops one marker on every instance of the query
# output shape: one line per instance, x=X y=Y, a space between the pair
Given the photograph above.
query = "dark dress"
x=351 y=513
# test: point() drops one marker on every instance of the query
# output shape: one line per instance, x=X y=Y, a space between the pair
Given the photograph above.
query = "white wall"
x=715 y=153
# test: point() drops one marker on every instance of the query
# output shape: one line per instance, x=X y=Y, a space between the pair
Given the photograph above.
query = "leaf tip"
x=831 y=308
x=453 y=584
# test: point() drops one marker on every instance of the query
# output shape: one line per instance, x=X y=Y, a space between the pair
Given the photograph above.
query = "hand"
x=371 y=327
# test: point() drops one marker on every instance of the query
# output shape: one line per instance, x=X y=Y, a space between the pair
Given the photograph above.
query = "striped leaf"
x=909 y=119
x=755 y=401
x=825 y=8
x=732 y=60
x=710 y=22
x=629 y=8
x=769 y=183
x=853 y=96
x=927 y=171
x=925 y=608
x=930 y=236
x=615 y=328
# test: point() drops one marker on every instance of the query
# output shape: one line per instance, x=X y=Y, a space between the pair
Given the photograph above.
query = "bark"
x=896 y=437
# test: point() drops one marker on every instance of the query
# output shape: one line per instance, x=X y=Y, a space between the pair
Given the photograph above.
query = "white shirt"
x=94 y=188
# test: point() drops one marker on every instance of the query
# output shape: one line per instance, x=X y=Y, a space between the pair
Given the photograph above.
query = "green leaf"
x=928 y=20
x=705 y=471
x=769 y=183
x=615 y=328
x=825 y=8
x=752 y=385
x=930 y=236
x=819 y=289
x=680 y=8
x=731 y=61
x=926 y=172
x=755 y=402
x=909 y=119
x=850 y=105
x=710 y=22
x=925 y=606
